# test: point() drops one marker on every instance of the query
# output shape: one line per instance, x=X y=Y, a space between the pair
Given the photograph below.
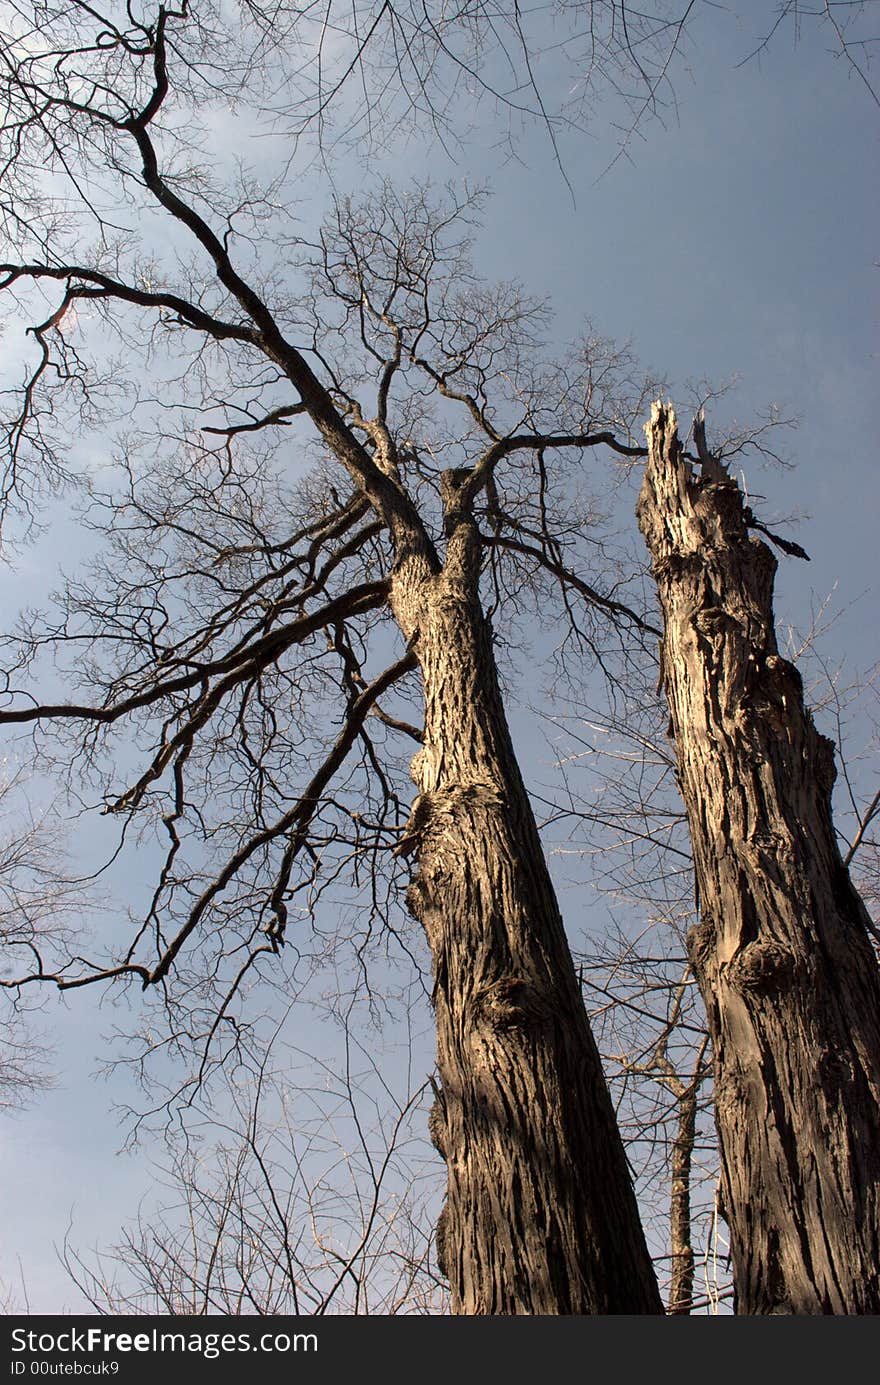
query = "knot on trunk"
x=784 y=677
x=824 y=768
x=445 y=810
x=670 y=569
x=437 y=1128
x=440 y=1240
x=511 y=1003
x=718 y=511
x=417 y=899
x=422 y=905
x=778 y=698
x=761 y=967
x=834 y=1069
x=700 y=945
x=714 y=620
x=770 y=855
x=424 y=768
x=420 y=815
x=455 y=495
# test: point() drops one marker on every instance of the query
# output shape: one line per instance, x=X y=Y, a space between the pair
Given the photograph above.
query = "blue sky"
x=738 y=240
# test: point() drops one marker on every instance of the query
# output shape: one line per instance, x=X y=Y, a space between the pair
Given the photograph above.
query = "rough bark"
x=681 y=1288
x=540 y=1216
x=782 y=954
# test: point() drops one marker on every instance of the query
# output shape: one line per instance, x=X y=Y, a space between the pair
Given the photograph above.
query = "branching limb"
x=571 y=579
x=295 y=821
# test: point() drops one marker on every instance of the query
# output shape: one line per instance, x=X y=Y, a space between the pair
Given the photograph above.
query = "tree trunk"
x=782 y=955
x=681 y=1288
x=540 y=1216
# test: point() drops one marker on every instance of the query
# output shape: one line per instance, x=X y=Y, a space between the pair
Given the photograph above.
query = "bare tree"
x=311 y=1196
x=853 y=39
x=328 y=442
x=39 y=902
x=845 y=700
x=249 y=662
x=783 y=953
x=621 y=810
x=40 y=912
x=619 y=813
x=651 y=1032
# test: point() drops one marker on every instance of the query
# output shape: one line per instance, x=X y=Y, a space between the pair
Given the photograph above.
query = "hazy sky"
x=738 y=240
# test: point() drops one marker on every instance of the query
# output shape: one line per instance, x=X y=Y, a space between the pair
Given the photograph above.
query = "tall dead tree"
x=787 y=972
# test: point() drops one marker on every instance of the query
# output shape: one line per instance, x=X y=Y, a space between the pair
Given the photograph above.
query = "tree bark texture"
x=782 y=955
x=681 y=1288
x=540 y=1216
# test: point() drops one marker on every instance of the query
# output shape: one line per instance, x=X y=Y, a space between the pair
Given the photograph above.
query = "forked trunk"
x=540 y=1216
x=782 y=954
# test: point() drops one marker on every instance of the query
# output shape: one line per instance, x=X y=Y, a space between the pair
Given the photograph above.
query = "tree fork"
x=540 y=1215
x=782 y=954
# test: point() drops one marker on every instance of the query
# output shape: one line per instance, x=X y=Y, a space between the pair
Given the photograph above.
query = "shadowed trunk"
x=681 y=1288
x=540 y=1216
x=788 y=975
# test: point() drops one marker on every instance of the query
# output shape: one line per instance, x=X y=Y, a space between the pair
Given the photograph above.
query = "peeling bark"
x=782 y=955
x=540 y=1216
